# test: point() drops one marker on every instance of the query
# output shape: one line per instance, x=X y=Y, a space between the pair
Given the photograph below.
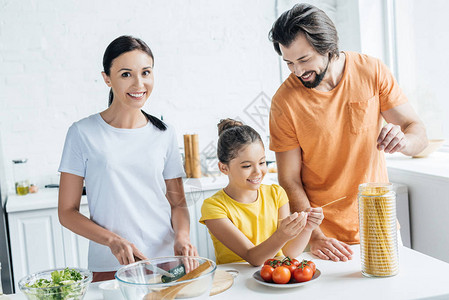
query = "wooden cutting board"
x=222 y=281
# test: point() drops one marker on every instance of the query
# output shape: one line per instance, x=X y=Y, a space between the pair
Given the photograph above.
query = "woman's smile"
x=137 y=96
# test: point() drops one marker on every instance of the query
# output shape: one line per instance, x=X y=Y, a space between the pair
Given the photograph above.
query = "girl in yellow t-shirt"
x=248 y=220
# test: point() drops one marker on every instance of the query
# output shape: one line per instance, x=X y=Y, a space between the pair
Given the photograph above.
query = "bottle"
x=22 y=182
x=378 y=230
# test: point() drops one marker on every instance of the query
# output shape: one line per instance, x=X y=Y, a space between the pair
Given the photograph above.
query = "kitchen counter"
x=435 y=165
x=48 y=197
x=420 y=277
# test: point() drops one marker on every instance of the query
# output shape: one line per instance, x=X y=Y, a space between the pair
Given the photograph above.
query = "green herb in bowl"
x=67 y=284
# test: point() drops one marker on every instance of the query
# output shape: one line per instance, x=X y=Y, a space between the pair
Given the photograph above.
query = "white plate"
x=259 y=279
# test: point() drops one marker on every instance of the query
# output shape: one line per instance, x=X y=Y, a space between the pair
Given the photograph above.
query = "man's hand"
x=391 y=139
x=330 y=249
x=314 y=217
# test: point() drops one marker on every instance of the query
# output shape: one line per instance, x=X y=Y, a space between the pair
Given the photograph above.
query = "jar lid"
x=375 y=188
x=20 y=161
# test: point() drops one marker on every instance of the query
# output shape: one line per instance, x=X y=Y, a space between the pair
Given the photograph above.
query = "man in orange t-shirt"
x=326 y=125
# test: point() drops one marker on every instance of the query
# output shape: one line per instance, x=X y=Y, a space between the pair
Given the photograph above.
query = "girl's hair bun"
x=226 y=124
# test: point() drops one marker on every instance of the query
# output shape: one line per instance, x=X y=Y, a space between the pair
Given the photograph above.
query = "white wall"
x=213 y=60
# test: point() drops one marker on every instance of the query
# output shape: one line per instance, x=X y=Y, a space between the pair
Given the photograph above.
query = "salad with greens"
x=63 y=285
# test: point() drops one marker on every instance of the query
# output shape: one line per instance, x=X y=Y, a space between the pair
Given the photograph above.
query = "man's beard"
x=318 y=78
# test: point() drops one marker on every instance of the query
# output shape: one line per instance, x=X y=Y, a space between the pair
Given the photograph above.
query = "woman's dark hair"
x=117 y=47
x=309 y=20
x=233 y=136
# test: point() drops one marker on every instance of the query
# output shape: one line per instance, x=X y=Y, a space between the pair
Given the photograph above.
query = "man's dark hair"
x=309 y=20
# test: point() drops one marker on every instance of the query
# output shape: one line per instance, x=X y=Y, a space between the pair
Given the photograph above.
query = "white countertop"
x=43 y=199
x=48 y=197
x=420 y=277
x=436 y=164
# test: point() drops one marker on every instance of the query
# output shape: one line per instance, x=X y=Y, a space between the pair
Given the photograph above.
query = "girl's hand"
x=292 y=225
x=125 y=251
x=314 y=217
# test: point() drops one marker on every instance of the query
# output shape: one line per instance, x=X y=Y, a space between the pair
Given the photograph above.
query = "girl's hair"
x=232 y=137
x=309 y=20
x=117 y=47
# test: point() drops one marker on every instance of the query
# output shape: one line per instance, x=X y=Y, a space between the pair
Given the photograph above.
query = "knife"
x=154 y=269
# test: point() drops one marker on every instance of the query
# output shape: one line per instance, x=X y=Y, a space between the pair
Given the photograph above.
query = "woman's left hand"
x=183 y=247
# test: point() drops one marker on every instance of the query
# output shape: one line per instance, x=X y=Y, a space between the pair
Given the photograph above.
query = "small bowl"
x=141 y=281
x=111 y=290
x=73 y=291
x=433 y=146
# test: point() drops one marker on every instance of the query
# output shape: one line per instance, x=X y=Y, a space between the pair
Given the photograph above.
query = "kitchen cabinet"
x=427 y=180
x=38 y=241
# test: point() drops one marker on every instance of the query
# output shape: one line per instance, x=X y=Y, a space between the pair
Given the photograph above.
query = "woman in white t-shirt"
x=131 y=167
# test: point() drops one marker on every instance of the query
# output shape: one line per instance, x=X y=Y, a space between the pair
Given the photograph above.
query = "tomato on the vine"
x=303 y=273
x=291 y=260
x=273 y=262
x=289 y=265
x=266 y=273
x=311 y=264
x=295 y=261
x=281 y=275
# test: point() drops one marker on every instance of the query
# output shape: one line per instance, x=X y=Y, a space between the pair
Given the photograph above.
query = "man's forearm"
x=297 y=197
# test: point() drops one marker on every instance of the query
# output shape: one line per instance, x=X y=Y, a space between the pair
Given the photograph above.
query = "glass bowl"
x=143 y=279
x=69 y=290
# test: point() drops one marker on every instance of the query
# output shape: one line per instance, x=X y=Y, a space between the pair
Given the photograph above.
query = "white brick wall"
x=212 y=58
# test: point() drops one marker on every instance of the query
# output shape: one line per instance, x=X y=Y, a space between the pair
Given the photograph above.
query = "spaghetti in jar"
x=378 y=230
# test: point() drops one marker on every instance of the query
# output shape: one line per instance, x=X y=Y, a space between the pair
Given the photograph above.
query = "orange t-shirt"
x=337 y=132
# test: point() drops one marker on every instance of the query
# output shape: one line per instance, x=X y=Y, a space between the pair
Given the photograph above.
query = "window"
x=422 y=37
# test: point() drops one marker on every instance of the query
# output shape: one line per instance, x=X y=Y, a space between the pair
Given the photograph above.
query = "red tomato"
x=281 y=275
x=268 y=261
x=291 y=260
x=303 y=273
x=266 y=273
x=273 y=262
x=289 y=265
x=311 y=264
x=295 y=262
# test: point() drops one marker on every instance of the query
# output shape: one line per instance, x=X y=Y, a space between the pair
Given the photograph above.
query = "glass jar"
x=378 y=230
x=21 y=179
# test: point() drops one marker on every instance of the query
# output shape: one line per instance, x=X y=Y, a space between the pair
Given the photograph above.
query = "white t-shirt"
x=124 y=172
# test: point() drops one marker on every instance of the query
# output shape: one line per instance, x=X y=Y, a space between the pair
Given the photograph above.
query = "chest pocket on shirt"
x=363 y=115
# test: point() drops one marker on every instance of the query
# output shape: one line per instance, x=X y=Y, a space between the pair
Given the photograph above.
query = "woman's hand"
x=292 y=225
x=314 y=217
x=125 y=251
x=185 y=248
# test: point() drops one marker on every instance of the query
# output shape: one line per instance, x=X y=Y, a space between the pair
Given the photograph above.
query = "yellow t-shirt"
x=337 y=132
x=257 y=220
